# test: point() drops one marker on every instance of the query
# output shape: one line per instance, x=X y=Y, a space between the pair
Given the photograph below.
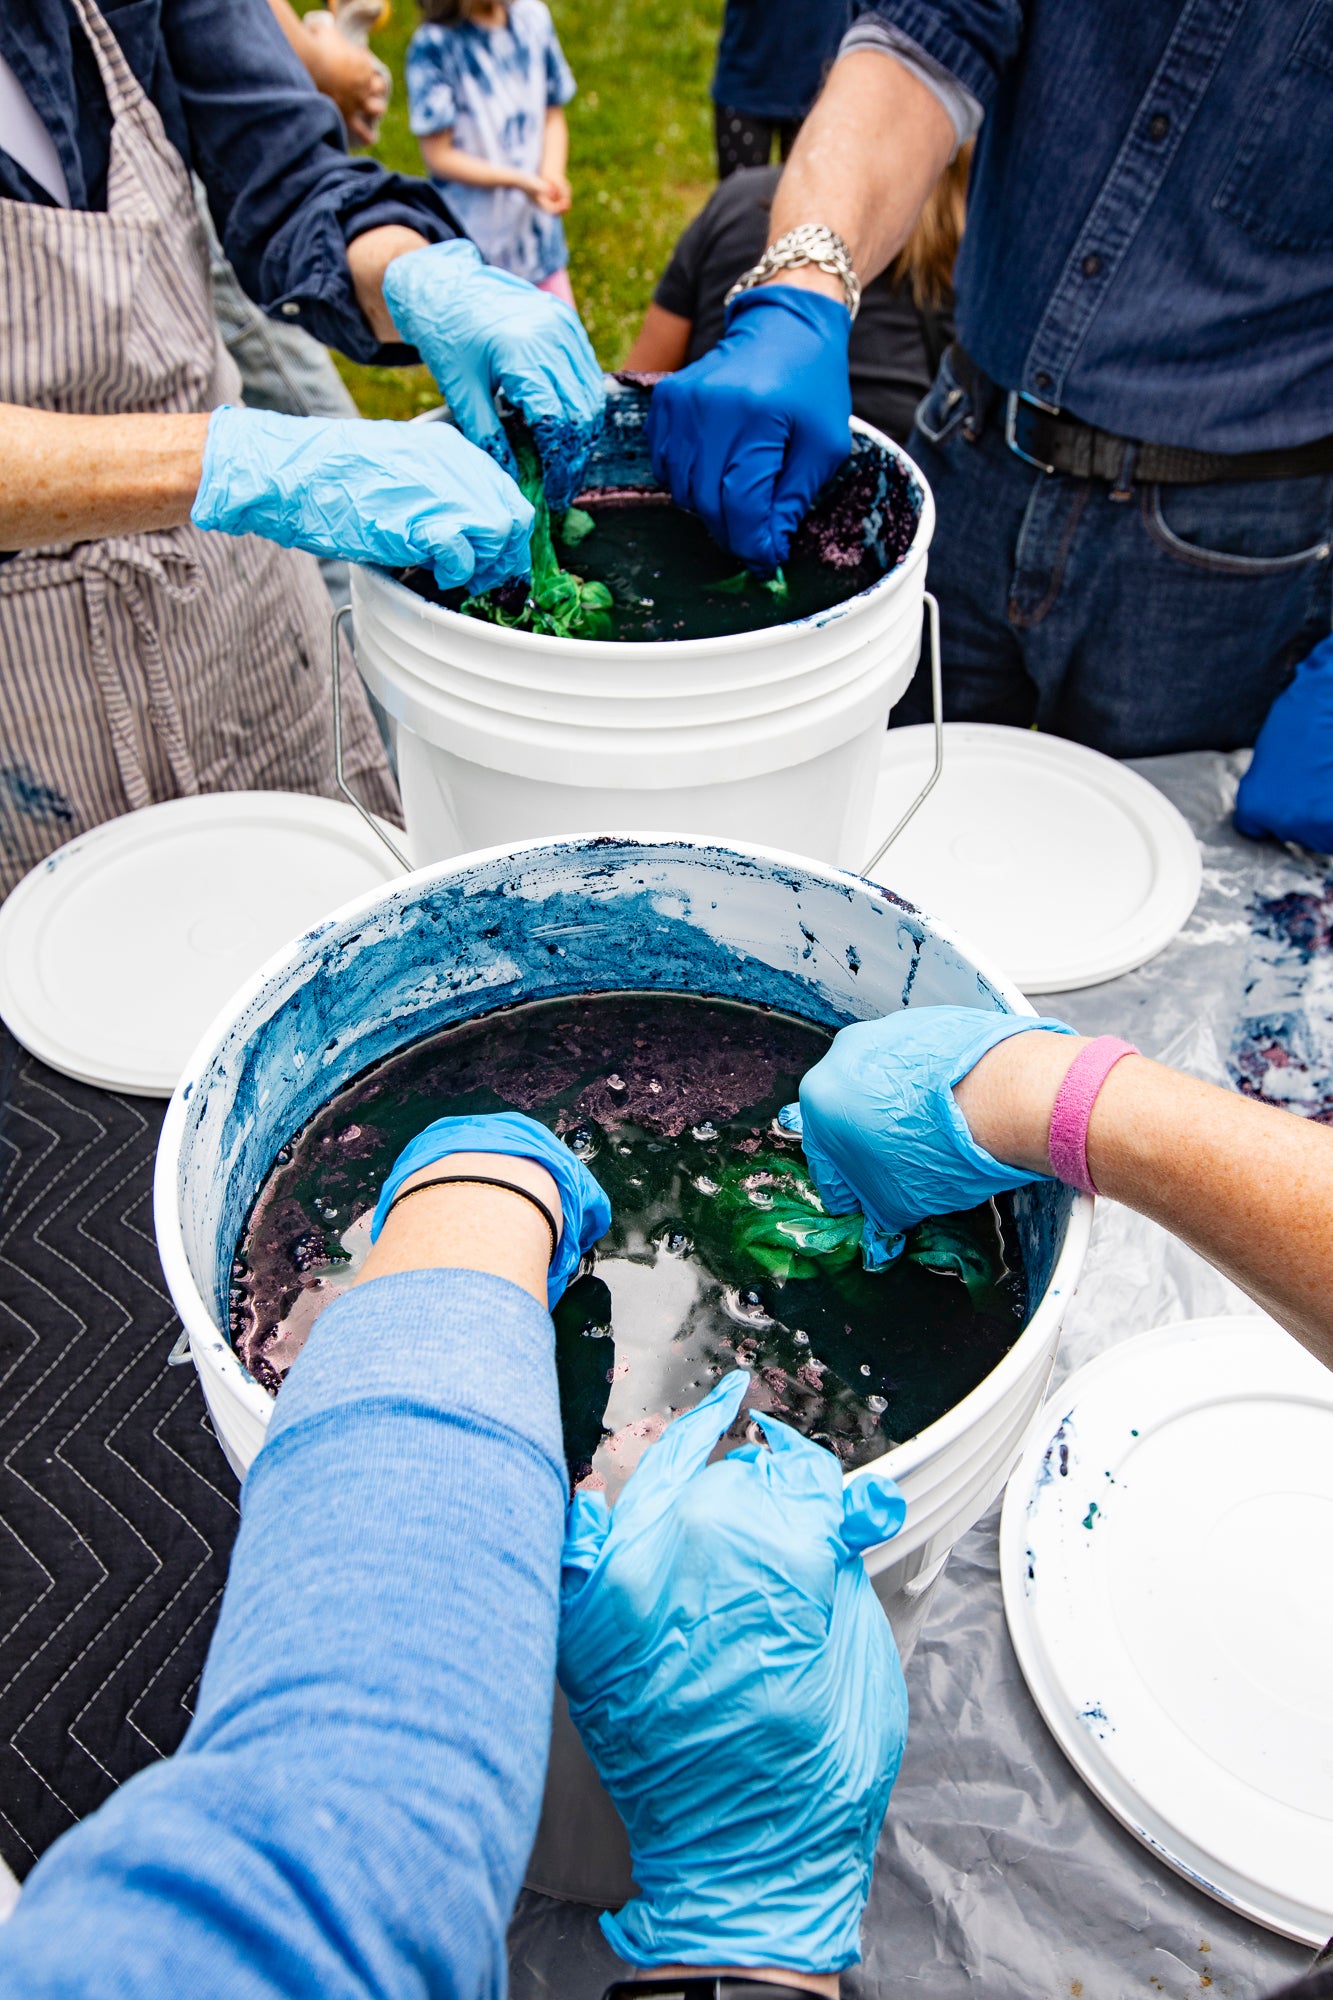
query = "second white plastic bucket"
x=773 y=735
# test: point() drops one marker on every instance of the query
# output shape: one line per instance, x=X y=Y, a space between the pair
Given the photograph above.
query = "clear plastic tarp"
x=998 y=1873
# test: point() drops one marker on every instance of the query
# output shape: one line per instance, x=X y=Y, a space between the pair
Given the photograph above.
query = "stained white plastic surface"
x=118 y=949
x=771 y=736
x=1164 y=1550
x=1065 y=866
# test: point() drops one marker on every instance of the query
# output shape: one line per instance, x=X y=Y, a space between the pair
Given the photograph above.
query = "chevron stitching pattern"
x=117 y=1508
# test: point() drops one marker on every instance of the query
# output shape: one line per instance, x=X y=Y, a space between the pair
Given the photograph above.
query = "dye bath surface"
x=672 y=1101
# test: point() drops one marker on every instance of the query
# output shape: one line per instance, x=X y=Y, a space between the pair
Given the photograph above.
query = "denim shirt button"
x=1158 y=127
x=1092 y=264
x=1042 y=380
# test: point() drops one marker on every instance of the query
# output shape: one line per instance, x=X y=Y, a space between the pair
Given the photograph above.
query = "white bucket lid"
x=1066 y=867
x=118 y=949
x=1164 y=1550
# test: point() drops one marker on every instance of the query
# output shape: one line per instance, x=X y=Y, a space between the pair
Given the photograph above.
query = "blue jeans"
x=1166 y=620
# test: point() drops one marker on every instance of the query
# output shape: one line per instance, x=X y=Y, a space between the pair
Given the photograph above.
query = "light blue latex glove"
x=385 y=493
x=747 y=435
x=881 y=1128
x=738 y=1689
x=585 y=1209
x=480 y=331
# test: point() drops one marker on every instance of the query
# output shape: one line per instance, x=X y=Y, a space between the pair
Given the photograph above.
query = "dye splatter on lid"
x=118 y=949
x=1164 y=1555
x=1063 y=866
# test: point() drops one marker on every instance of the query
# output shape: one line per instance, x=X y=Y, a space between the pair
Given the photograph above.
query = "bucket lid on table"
x=118 y=949
x=1067 y=867
x=1164 y=1555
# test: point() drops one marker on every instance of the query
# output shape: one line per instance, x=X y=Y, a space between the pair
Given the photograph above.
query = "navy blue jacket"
x=1150 y=228
x=240 y=110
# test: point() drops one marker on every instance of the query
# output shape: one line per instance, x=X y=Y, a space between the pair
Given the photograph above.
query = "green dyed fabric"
x=777 y=1223
x=559 y=602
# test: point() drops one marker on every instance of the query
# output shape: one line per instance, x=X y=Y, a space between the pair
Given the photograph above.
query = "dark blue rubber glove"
x=1288 y=789
x=748 y=434
x=738 y=1688
x=480 y=331
x=881 y=1128
x=585 y=1209
x=385 y=493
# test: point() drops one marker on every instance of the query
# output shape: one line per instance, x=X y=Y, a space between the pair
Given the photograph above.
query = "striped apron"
x=160 y=665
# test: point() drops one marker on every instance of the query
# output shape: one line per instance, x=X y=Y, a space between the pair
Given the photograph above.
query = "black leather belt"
x=1054 y=441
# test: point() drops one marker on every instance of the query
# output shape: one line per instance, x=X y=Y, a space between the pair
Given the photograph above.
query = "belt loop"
x=1124 y=482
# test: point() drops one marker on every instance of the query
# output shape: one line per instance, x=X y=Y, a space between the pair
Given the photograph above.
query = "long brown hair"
x=926 y=259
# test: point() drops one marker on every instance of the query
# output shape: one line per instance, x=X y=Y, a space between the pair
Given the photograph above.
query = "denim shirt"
x=241 y=111
x=1149 y=237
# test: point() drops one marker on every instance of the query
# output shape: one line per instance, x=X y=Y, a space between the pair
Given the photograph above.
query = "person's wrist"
x=808 y=278
x=472 y=1226
x=825 y=1984
x=1008 y=1095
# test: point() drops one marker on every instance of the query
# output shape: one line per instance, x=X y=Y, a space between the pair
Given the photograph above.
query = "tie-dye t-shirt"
x=491 y=87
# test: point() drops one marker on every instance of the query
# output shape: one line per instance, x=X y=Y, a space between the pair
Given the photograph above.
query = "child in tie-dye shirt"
x=487 y=83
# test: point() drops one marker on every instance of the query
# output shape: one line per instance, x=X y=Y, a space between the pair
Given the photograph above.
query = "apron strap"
x=122 y=87
x=126 y=566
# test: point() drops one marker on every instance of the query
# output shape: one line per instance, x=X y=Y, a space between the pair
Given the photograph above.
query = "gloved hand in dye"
x=585 y=1210
x=748 y=434
x=482 y=331
x=556 y=601
x=385 y=493
x=737 y=1686
x=881 y=1128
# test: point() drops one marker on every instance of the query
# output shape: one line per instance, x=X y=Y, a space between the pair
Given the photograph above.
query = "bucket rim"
x=211 y=1348
x=368 y=576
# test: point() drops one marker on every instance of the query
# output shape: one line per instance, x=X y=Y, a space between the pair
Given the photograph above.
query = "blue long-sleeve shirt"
x=1150 y=222
x=285 y=196
x=352 y=1807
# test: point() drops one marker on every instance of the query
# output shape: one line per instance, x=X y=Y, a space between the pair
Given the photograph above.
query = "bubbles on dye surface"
x=673 y=1298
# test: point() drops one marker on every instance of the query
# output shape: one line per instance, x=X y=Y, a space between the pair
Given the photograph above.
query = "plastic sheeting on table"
x=998 y=1874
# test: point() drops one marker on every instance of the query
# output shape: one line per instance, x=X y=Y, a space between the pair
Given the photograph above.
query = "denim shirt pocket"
x=1277 y=185
x=943 y=406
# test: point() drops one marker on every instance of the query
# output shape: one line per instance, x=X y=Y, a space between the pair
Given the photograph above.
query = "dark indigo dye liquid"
x=668 y=1098
x=669 y=579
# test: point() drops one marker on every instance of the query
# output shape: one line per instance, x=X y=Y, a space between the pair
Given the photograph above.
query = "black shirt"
x=895 y=348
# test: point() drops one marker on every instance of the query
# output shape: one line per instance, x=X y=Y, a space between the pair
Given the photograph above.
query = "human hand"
x=555 y=196
x=385 y=493
x=480 y=331
x=357 y=81
x=884 y=1131
x=585 y=1212
x=737 y=1686
x=747 y=435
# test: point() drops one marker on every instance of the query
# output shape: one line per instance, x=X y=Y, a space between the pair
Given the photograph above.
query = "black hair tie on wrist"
x=483 y=1180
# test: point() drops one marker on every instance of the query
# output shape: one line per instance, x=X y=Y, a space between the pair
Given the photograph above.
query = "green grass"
x=641 y=162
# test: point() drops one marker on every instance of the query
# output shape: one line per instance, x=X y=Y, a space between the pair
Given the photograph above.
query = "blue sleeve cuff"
x=458 y=1343
x=970 y=40
x=308 y=283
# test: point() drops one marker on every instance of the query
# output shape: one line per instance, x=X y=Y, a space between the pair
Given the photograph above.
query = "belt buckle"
x=1011 y=403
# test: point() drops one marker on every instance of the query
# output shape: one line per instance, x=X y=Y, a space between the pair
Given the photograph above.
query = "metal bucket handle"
x=345 y=611
x=937 y=704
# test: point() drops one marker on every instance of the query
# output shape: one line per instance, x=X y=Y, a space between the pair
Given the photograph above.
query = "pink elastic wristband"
x=1068 y=1143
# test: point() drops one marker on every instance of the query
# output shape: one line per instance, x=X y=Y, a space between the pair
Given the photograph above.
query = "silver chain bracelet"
x=809 y=243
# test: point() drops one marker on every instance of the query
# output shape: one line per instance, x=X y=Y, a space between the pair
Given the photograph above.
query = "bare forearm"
x=555 y=143
x=663 y=342
x=368 y=258
x=445 y=162
x=78 y=479
x=1248 y=1186
x=865 y=160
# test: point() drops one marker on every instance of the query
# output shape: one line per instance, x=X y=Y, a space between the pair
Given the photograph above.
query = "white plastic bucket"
x=538 y=922
x=772 y=735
